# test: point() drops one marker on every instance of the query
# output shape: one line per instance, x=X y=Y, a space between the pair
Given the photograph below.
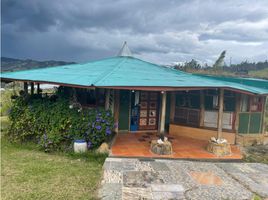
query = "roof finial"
x=124 y=51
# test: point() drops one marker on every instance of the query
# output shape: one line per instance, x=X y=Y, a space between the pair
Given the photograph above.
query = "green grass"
x=31 y=174
x=4 y=122
x=266 y=117
x=259 y=73
x=256 y=197
x=257 y=153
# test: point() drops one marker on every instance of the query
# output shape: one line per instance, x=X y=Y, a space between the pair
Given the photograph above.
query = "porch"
x=137 y=144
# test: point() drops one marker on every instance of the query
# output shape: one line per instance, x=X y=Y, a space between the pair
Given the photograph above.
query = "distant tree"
x=220 y=61
x=188 y=66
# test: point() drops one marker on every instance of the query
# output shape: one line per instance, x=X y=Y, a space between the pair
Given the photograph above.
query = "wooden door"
x=149 y=107
x=124 y=110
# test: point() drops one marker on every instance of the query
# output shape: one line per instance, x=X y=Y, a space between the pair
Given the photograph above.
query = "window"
x=187 y=108
x=89 y=97
x=244 y=103
x=211 y=100
x=188 y=99
x=251 y=103
x=229 y=101
x=255 y=104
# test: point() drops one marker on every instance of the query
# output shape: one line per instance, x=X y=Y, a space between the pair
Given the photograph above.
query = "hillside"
x=13 y=64
x=259 y=73
x=243 y=69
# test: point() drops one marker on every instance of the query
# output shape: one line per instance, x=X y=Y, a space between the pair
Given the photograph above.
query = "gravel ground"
x=176 y=179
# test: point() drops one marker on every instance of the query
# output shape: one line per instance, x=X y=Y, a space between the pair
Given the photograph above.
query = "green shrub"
x=54 y=125
x=6 y=101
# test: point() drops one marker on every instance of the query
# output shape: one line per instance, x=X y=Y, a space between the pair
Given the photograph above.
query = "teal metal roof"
x=125 y=72
x=255 y=82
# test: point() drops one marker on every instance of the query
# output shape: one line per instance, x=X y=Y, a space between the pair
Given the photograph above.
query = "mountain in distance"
x=14 y=64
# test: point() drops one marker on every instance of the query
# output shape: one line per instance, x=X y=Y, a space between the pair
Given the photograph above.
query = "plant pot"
x=80 y=146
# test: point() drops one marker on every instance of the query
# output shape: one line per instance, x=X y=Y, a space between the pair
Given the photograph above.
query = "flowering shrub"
x=53 y=124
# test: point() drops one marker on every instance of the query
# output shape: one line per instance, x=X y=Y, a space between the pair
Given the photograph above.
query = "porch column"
x=237 y=111
x=163 y=112
x=38 y=88
x=116 y=109
x=202 y=108
x=107 y=97
x=220 y=114
x=32 y=88
x=263 y=114
x=25 y=86
x=172 y=107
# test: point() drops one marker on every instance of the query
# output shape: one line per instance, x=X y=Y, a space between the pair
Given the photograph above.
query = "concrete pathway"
x=128 y=179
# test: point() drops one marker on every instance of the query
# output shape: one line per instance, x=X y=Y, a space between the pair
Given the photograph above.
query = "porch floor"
x=138 y=145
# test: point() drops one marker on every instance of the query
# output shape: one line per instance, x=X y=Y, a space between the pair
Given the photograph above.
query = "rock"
x=164 y=148
x=221 y=149
x=159 y=141
x=213 y=139
x=104 y=148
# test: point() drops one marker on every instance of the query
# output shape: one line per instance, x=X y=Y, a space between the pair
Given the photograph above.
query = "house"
x=148 y=97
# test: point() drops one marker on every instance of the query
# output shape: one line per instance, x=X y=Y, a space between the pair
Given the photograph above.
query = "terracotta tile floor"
x=138 y=145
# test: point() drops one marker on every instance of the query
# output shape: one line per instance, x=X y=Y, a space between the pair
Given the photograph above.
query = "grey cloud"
x=161 y=31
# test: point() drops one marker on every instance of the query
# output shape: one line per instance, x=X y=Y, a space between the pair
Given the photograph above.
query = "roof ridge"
x=59 y=66
x=164 y=67
x=105 y=74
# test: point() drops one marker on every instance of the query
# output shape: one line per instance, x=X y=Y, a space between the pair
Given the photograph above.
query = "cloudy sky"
x=160 y=31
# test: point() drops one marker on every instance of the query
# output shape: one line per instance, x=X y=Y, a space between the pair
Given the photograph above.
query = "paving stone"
x=168 y=195
x=120 y=166
x=114 y=159
x=159 y=166
x=112 y=176
x=143 y=166
x=172 y=179
x=251 y=175
x=206 y=178
x=136 y=193
x=110 y=191
x=111 y=165
x=217 y=193
x=140 y=179
x=168 y=177
x=167 y=188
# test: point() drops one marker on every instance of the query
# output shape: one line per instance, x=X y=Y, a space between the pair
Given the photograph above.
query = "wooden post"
x=202 y=108
x=237 y=111
x=172 y=106
x=220 y=113
x=107 y=97
x=25 y=87
x=116 y=109
x=163 y=112
x=38 y=88
x=263 y=114
x=32 y=88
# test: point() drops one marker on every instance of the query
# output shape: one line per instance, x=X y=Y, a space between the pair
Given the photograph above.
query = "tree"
x=192 y=65
x=220 y=61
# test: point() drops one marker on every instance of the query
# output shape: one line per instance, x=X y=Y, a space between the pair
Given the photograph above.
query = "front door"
x=124 y=110
x=148 y=117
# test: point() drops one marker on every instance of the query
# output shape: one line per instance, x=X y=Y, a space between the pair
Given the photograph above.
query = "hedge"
x=53 y=124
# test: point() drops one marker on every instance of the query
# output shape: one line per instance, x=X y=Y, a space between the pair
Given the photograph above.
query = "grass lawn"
x=31 y=174
x=259 y=73
x=4 y=123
